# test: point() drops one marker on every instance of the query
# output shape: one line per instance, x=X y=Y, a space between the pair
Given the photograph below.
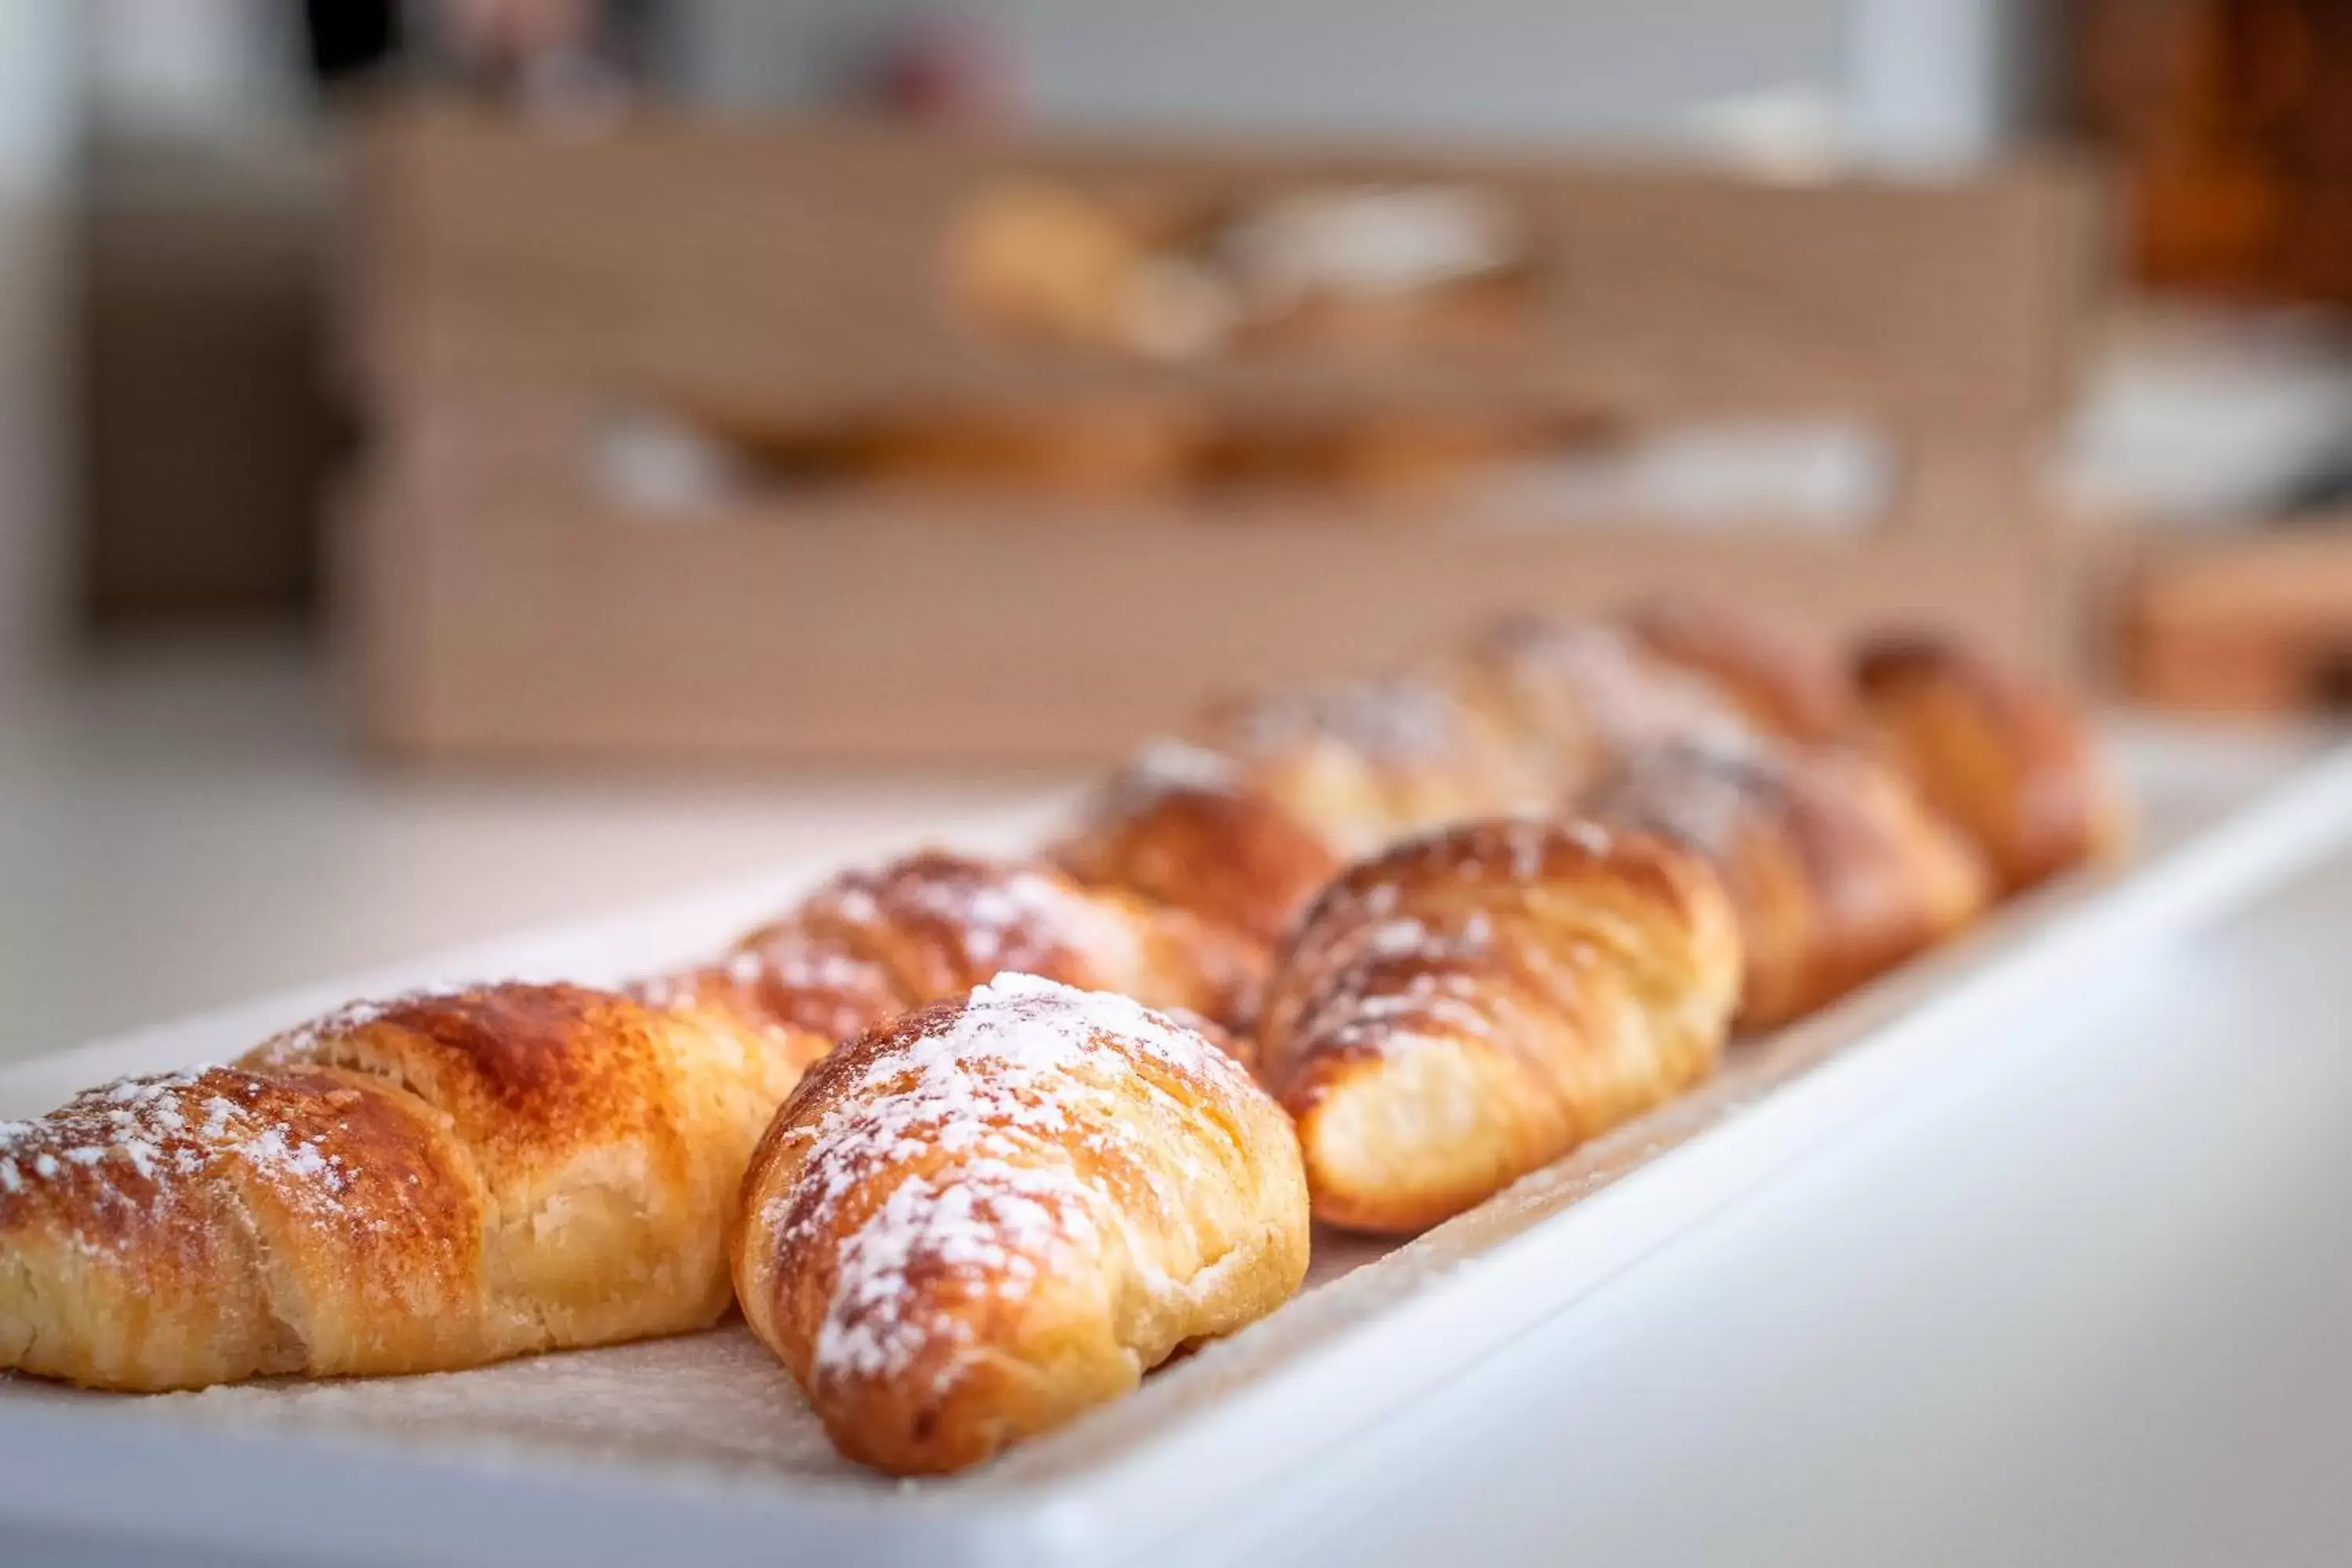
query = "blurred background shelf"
x=975 y=602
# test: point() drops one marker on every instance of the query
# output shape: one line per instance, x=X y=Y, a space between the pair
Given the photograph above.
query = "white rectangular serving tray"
x=700 y=1447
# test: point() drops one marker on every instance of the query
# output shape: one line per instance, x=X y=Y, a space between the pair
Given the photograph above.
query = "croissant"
x=1474 y=1003
x=1783 y=683
x=1363 y=763
x=2014 y=764
x=1183 y=827
x=1837 y=870
x=1572 y=694
x=976 y=1222
x=416 y=1185
x=872 y=944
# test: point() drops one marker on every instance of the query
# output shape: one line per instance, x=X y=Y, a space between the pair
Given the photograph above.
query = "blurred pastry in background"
x=875 y=942
x=1573 y=693
x=1097 y=449
x=1787 y=684
x=2014 y=763
x=1183 y=826
x=1053 y=261
x=1047 y=260
x=1105 y=448
x=1406 y=453
x=1363 y=763
x=1837 y=870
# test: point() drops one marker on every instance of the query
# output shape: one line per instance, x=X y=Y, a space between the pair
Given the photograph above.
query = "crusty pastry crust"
x=976 y=1222
x=1475 y=1003
x=430 y=1182
x=1181 y=826
x=872 y=944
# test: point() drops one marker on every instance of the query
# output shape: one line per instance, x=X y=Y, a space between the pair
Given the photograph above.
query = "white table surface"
x=2088 y=1313
x=182 y=827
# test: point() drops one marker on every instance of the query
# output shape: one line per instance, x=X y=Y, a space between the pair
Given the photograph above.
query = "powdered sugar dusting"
x=980 y=1113
x=1167 y=764
x=1013 y=917
x=135 y=1122
x=1164 y=768
x=1700 y=795
x=1621 y=689
x=1590 y=836
x=132 y=1143
x=983 y=914
x=299 y=1043
x=1401 y=719
x=993 y=1230
x=1386 y=971
x=1404 y=981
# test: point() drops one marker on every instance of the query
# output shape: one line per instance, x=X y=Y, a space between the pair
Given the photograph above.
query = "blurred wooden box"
x=518 y=286
x=2260 y=623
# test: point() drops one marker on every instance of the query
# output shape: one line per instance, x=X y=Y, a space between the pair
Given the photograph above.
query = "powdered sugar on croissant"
x=975 y=1222
x=871 y=944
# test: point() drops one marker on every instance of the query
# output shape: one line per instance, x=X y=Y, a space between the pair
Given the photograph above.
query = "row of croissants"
x=975 y=1144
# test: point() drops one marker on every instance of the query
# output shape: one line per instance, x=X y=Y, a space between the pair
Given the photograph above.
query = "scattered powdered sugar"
x=1167 y=764
x=1019 y=914
x=296 y=1043
x=1590 y=836
x=989 y=916
x=996 y=1229
x=852 y=901
x=662 y=992
x=135 y=1123
x=1520 y=845
x=1623 y=691
x=1364 y=1002
x=132 y=1141
x=1406 y=936
x=999 y=916
x=1004 y=1086
x=275 y=1148
x=1701 y=796
x=830 y=968
x=1400 y=718
x=1527 y=842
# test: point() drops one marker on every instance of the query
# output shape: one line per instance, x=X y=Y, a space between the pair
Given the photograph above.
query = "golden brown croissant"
x=980 y=1220
x=1836 y=867
x=1183 y=827
x=1363 y=763
x=1472 y=1005
x=2015 y=766
x=1785 y=684
x=427 y=1184
x=872 y=944
x=1572 y=694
